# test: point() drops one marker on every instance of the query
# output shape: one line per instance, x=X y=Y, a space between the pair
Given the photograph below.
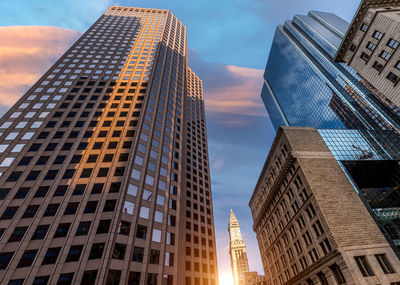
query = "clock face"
x=236 y=233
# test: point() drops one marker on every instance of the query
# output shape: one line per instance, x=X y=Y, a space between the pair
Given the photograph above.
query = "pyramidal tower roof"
x=233 y=221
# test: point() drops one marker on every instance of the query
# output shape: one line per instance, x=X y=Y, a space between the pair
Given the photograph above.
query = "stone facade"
x=371 y=47
x=311 y=226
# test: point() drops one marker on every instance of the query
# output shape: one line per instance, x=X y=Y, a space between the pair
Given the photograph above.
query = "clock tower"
x=237 y=251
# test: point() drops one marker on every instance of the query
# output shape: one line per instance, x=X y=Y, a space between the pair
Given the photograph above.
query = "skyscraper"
x=237 y=251
x=305 y=87
x=104 y=163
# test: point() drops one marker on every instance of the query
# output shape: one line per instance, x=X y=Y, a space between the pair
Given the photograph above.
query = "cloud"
x=26 y=52
x=230 y=89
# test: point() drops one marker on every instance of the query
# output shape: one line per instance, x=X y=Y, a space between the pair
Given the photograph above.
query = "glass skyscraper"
x=304 y=87
x=104 y=172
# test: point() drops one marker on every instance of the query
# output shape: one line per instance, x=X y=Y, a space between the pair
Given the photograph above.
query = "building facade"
x=311 y=226
x=252 y=278
x=305 y=87
x=371 y=44
x=237 y=251
x=104 y=163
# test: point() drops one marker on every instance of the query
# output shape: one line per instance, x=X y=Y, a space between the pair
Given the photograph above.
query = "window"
x=97 y=251
x=41 y=280
x=109 y=206
x=71 y=208
x=90 y=207
x=364 y=27
x=62 y=230
x=27 y=258
x=114 y=276
x=134 y=278
x=141 y=231
x=393 y=77
x=83 y=228
x=17 y=234
x=65 y=279
x=152 y=279
x=154 y=256
x=385 y=55
x=51 y=210
x=30 y=211
x=364 y=56
x=371 y=46
x=377 y=66
x=40 y=232
x=384 y=263
x=363 y=265
x=119 y=251
x=104 y=226
x=9 y=213
x=89 y=277
x=74 y=253
x=124 y=228
x=322 y=278
x=5 y=258
x=377 y=35
x=337 y=272
x=138 y=253
x=51 y=255
x=392 y=43
x=397 y=65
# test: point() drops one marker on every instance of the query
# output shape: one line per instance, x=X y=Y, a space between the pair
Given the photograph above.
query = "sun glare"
x=226 y=279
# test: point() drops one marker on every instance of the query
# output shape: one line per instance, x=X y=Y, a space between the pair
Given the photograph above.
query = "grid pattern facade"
x=303 y=85
x=198 y=253
x=92 y=159
x=303 y=238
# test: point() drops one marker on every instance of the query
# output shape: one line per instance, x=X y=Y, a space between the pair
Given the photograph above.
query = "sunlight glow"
x=226 y=279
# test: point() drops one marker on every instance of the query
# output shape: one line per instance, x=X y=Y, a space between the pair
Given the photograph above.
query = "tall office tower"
x=311 y=226
x=237 y=251
x=93 y=162
x=371 y=44
x=304 y=87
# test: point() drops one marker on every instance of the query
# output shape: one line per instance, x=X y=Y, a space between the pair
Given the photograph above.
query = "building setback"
x=371 y=46
x=104 y=163
x=311 y=226
x=237 y=251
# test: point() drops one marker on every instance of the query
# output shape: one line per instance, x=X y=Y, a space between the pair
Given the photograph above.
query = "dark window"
x=384 y=263
x=123 y=157
x=76 y=158
x=42 y=160
x=153 y=277
x=27 y=258
x=40 y=232
x=51 y=255
x=337 y=272
x=102 y=172
x=109 y=205
x=119 y=251
x=62 y=230
x=114 y=276
x=83 y=228
x=119 y=171
x=16 y=282
x=393 y=77
x=154 y=256
x=392 y=43
x=51 y=174
x=43 y=135
x=364 y=56
x=104 y=226
x=108 y=157
x=97 y=145
x=65 y=279
x=82 y=145
x=115 y=186
x=96 y=251
x=22 y=192
x=377 y=35
x=86 y=172
x=371 y=46
x=41 y=280
x=92 y=158
x=90 y=207
x=141 y=231
x=134 y=278
x=112 y=145
x=35 y=147
x=33 y=175
x=60 y=191
x=5 y=258
x=4 y=192
x=97 y=188
x=17 y=234
x=69 y=173
x=67 y=146
x=377 y=66
x=71 y=208
x=89 y=277
x=79 y=189
x=42 y=191
x=30 y=211
x=14 y=176
x=124 y=228
x=364 y=27
x=9 y=213
x=322 y=278
x=74 y=253
x=363 y=265
x=51 y=146
x=51 y=210
x=138 y=253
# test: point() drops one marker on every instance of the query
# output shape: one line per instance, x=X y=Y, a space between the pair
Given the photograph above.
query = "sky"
x=228 y=41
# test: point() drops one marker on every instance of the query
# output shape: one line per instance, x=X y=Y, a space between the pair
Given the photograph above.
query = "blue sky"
x=229 y=43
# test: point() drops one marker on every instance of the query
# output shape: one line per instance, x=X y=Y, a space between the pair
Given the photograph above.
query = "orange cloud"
x=242 y=99
x=26 y=52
